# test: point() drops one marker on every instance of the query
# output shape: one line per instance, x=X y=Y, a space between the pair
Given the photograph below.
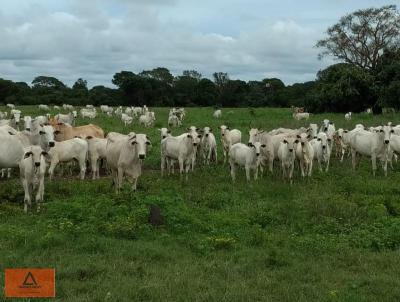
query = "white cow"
x=165 y=132
x=301 y=116
x=305 y=154
x=287 y=156
x=65 y=118
x=32 y=167
x=27 y=122
x=44 y=107
x=229 y=138
x=147 y=119
x=347 y=116
x=372 y=144
x=209 y=146
x=322 y=150
x=126 y=119
x=3 y=115
x=88 y=113
x=55 y=107
x=267 y=153
x=125 y=154
x=11 y=106
x=217 y=113
x=181 y=149
x=65 y=151
x=97 y=150
x=41 y=119
x=313 y=130
x=174 y=121
x=245 y=156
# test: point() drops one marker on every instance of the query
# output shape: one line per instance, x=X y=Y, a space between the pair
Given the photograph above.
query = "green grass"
x=335 y=237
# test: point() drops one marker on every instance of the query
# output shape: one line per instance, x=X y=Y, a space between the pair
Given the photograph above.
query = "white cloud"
x=94 y=39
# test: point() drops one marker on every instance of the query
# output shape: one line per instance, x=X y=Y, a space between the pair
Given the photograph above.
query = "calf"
x=126 y=119
x=209 y=146
x=322 y=150
x=305 y=154
x=64 y=132
x=125 y=154
x=287 y=156
x=229 y=138
x=97 y=148
x=245 y=156
x=165 y=132
x=65 y=151
x=32 y=167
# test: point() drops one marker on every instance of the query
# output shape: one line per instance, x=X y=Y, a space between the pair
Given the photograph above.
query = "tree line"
x=365 y=42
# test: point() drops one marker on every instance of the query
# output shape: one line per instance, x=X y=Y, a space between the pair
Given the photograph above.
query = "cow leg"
x=232 y=165
x=39 y=194
x=120 y=177
x=301 y=164
x=162 y=165
x=310 y=166
x=180 y=160
x=319 y=164
x=247 y=168
x=291 y=168
x=27 y=197
x=283 y=171
x=187 y=171
x=373 y=160
x=353 y=159
x=134 y=185
x=82 y=166
x=53 y=165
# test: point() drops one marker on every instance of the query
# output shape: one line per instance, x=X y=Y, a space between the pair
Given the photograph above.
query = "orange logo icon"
x=29 y=283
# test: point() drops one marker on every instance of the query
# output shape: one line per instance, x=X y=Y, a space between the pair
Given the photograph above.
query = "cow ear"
x=285 y=141
x=199 y=136
x=298 y=136
x=329 y=140
x=27 y=154
x=168 y=131
x=346 y=131
x=263 y=145
x=44 y=153
x=210 y=129
x=60 y=124
x=296 y=141
x=309 y=136
x=57 y=132
x=133 y=143
x=41 y=132
x=89 y=137
x=188 y=129
x=189 y=136
x=148 y=143
x=319 y=139
x=392 y=131
x=260 y=131
x=227 y=128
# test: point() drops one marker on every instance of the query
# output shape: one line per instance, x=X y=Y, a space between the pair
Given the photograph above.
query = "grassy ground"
x=335 y=237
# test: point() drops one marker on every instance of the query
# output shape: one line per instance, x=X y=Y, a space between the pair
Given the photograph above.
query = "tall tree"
x=80 y=84
x=359 y=38
x=192 y=74
x=160 y=73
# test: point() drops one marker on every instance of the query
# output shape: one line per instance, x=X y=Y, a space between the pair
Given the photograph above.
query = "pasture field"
x=335 y=237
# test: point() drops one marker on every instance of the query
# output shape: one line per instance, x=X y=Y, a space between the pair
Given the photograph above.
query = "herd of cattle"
x=47 y=140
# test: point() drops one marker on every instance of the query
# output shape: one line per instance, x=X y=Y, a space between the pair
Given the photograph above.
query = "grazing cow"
x=229 y=138
x=267 y=153
x=245 y=156
x=347 y=116
x=65 y=118
x=11 y=106
x=3 y=115
x=64 y=132
x=65 y=151
x=106 y=109
x=301 y=116
x=126 y=119
x=181 y=149
x=305 y=154
x=119 y=110
x=32 y=167
x=165 y=132
x=125 y=154
x=90 y=106
x=209 y=146
x=44 y=107
x=217 y=113
x=372 y=144
x=322 y=150
x=297 y=109
x=287 y=156
x=97 y=148
x=55 y=107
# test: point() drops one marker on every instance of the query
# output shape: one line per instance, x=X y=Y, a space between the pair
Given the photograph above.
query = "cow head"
x=141 y=142
x=35 y=153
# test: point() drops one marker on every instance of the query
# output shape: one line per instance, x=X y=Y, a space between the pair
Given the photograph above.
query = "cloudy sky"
x=93 y=39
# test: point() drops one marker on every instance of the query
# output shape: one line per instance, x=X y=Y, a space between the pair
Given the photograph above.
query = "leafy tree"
x=192 y=74
x=389 y=78
x=359 y=38
x=80 y=84
x=47 y=82
x=160 y=73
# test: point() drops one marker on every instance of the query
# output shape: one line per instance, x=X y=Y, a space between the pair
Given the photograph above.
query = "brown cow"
x=63 y=132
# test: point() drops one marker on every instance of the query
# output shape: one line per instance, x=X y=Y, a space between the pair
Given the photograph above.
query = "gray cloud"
x=96 y=38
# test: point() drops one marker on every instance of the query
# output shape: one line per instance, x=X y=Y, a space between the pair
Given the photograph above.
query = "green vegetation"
x=335 y=237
